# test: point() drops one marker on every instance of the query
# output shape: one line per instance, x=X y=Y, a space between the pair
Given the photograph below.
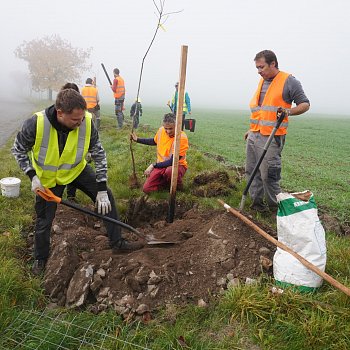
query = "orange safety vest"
x=120 y=91
x=165 y=146
x=263 y=118
x=90 y=95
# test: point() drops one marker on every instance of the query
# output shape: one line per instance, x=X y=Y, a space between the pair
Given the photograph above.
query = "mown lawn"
x=315 y=158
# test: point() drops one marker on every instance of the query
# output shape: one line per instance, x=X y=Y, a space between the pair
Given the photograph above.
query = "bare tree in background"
x=52 y=62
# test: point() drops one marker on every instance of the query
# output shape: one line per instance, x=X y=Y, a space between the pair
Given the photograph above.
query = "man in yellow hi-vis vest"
x=276 y=89
x=58 y=139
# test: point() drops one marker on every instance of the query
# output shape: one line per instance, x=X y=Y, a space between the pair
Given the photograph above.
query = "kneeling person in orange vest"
x=159 y=173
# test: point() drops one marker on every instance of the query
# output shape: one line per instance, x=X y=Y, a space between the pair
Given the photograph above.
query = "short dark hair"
x=69 y=99
x=169 y=118
x=269 y=56
x=70 y=86
x=88 y=81
x=116 y=71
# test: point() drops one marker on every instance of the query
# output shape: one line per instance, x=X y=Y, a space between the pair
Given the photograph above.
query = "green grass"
x=315 y=158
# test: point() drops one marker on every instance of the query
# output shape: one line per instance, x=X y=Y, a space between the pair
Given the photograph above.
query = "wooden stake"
x=178 y=126
x=281 y=245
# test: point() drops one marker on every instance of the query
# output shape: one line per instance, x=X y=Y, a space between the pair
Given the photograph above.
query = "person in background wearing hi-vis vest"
x=186 y=104
x=159 y=174
x=136 y=112
x=58 y=139
x=276 y=89
x=118 y=89
x=90 y=94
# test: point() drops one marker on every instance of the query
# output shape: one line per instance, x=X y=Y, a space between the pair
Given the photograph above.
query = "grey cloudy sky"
x=311 y=39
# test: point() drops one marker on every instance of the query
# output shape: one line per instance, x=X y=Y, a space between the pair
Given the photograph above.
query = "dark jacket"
x=25 y=141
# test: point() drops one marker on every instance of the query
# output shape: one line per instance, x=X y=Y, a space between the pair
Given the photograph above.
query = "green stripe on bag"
x=294 y=205
x=294 y=287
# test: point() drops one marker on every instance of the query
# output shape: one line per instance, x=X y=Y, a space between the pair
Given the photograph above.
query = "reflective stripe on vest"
x=51 y=167
x=263 y=118
x=162 y=158
x=120 y=91
x=90 y=95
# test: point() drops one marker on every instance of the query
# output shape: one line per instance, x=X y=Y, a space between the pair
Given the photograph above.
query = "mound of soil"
x=213 y=250
x=212 y=184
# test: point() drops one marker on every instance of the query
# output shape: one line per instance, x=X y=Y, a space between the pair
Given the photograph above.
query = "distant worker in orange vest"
x=90 y=94
x=275 y=89
x=118 y=88
x=159 y=173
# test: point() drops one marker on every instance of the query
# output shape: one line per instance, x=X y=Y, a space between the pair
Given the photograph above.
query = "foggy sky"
x=311 y=39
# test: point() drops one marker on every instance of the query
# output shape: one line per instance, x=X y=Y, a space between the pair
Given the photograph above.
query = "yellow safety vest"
x=174 y=103
x=51 y=167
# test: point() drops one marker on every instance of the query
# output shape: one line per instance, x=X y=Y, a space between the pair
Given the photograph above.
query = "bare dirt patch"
x=212 y=184
x=214 y=250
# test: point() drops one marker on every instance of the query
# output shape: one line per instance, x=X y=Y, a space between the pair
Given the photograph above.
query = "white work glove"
x=102 y=203
x=148 y=171
x=36 y=184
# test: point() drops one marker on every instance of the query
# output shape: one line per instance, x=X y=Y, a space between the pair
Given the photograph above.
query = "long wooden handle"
x=177 y=137
x=279 y=244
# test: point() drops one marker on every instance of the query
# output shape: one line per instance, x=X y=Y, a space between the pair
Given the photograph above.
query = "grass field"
x=316 y=157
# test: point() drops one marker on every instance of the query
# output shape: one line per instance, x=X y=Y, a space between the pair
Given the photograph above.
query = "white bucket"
x=10 y=186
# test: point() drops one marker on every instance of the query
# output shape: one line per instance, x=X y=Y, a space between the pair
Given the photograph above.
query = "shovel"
x=50 y=197
x=280 y=116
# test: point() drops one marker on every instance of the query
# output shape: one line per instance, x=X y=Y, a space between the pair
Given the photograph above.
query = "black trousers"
x=45 y=213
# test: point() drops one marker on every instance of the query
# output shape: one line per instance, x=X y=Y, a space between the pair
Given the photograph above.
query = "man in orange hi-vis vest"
x=118 y=89
x=159 y=173
x=90 y=94
x=275 y=89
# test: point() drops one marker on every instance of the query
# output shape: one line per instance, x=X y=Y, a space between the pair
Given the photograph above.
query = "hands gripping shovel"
x=50 y=197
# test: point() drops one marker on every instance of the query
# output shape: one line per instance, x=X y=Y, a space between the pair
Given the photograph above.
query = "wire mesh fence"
x=37 y=330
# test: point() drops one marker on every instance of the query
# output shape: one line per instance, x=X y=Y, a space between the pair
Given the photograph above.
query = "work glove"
x=102 y=203
x=36 y=184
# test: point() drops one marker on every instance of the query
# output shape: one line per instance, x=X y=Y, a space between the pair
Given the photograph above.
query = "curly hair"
x=169 y=118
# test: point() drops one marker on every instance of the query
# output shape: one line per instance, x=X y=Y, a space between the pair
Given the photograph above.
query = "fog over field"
x=311 y=39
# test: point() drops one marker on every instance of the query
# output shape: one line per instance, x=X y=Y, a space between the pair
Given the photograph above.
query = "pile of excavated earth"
x=213 y=251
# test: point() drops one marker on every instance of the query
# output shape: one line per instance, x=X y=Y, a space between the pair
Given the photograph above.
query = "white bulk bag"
x=299 y=228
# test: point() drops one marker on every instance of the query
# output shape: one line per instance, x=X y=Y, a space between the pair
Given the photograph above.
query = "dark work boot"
x=126 y=246
x=38 y=267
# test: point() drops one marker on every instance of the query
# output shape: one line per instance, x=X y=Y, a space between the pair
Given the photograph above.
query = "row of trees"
x=52 y=62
